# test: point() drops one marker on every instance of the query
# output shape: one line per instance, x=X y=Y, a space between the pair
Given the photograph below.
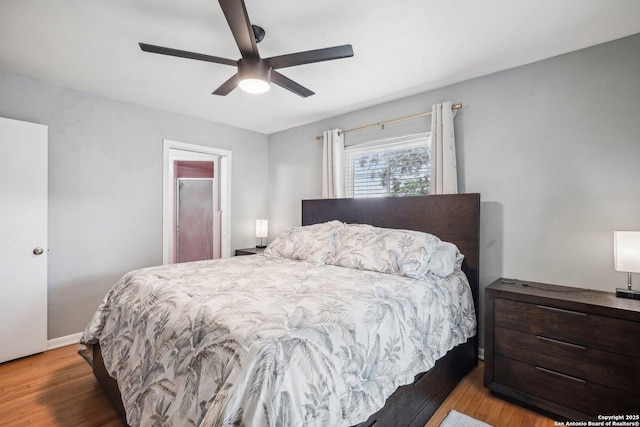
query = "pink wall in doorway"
x=191 y=169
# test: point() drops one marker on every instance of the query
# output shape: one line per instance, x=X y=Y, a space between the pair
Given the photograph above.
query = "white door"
x=23 y=238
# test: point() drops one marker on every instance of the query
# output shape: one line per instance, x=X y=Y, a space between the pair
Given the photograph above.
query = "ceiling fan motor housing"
x=254 y=75
x=254 y=68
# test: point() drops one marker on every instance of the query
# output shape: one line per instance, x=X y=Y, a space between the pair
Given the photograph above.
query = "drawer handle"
x=558 y=374
x=568 y=344
x=561 y=310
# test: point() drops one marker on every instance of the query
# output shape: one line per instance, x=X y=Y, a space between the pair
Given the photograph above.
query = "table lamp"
x=262 y=226
x=626 y=254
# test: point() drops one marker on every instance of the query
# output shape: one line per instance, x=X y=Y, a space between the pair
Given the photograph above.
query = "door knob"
x=38 y=251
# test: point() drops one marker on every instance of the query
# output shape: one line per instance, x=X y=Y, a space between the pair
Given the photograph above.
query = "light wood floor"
x=57 y=388
x=471 y=398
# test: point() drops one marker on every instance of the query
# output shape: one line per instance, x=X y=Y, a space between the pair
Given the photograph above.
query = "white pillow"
x=444 y=260
x=312 y=243
x=385 y=250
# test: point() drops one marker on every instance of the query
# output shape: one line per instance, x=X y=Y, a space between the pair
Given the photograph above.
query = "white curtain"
x=443 y=174
x=333 y=165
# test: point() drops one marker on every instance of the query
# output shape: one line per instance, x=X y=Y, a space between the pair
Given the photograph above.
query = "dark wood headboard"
x=453 y=218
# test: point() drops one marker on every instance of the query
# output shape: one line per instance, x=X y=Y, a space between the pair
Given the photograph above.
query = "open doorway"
x=195 y=202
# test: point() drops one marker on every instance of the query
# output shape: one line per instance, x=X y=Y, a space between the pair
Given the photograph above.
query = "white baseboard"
x=481 y=353
x=64 y=341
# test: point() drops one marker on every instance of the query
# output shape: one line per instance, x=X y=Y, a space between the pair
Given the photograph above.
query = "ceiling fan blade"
x=317 y=55
x=227 y=86
x=236 y=13
x=184 y=54
x=290 y=85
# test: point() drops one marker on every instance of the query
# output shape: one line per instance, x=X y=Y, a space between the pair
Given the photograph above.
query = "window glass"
x=396 y=167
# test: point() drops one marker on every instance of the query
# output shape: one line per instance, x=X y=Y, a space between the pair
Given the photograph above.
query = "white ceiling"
x=402 y=47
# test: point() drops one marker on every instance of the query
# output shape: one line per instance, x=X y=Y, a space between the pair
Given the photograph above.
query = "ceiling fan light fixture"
x=254 y=86
x=254 y=75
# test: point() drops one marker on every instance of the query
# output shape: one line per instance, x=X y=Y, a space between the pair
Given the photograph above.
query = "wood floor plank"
x=58 y=389
x=471 y=398
x=52 y=389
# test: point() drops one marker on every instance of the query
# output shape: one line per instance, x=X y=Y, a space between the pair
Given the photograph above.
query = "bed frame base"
x=108 y=384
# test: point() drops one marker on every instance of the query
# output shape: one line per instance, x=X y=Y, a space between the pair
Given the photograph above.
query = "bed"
x=306 y=374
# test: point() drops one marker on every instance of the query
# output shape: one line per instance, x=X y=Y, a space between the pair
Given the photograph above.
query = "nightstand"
x=249 y=251
x=570 y=352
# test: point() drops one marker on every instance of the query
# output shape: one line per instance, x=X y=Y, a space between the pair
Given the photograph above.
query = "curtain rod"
x=396 y=120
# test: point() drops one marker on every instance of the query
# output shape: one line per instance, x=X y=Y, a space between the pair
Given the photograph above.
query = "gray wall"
x=105 y=187
x=553 y=147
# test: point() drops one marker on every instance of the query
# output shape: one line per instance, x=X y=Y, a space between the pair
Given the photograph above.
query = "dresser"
x=569 y=352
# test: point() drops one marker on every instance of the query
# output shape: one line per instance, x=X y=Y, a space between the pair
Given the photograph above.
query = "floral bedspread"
x=265 y=341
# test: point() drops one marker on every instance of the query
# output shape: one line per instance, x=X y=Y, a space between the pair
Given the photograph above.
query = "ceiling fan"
x=255 y=73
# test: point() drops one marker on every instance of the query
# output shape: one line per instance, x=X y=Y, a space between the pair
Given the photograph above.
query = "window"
x=392 y=167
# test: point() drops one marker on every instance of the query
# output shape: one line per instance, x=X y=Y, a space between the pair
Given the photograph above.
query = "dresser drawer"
x=583 y=396
x=589 y=330
x=609 y=369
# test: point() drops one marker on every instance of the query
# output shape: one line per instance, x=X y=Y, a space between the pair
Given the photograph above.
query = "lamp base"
x=627 y=293
x=260 y=246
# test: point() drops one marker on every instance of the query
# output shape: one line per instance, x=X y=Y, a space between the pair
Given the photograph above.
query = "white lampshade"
x=262 y=228
x=626 y=251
